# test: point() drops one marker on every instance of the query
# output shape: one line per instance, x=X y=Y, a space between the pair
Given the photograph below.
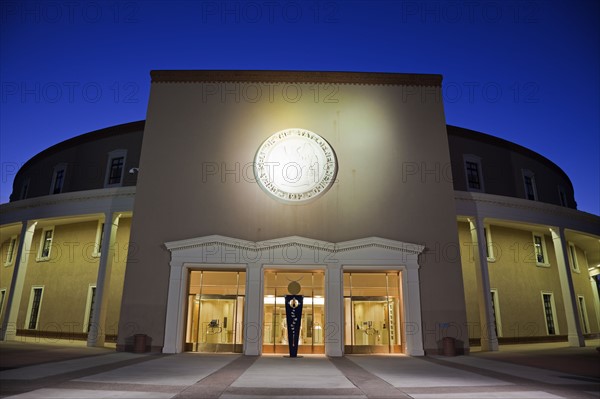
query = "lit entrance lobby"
x=312 y=288
x=372 y=313
x=215 y=311
x=228 y=295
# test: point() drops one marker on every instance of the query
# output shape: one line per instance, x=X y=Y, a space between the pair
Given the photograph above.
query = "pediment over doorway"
x=293 y=249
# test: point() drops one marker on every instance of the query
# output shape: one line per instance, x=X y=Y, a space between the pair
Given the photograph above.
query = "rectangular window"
x=24 y=189
x=585 y=328
x=529 y=182
x=562 y=195
x=496 y=312
x=2 y=297
x=115 y=168
x=489 y=248
x=10 y=251
x=539 y=247
x=548 y=301
x=573 y=258
x=99 y=237
x=473 y=175
x=46 y=244
x=473 y=172
x=539 y=252
x=87 y=323
x=58 y=182
x=529 y=190
x=58 y=179
x=35 y=304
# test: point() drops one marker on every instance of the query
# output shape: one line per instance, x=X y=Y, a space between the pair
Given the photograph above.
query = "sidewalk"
x=71 y=370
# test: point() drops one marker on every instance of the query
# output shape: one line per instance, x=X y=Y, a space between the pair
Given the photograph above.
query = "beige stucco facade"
x=518 y=279
x=66 y=277
x=377 y=133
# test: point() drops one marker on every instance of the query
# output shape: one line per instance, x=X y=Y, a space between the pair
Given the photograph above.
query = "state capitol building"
x=183 y=232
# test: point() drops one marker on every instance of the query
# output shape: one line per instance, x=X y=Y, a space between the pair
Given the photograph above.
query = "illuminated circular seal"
x=295 y=165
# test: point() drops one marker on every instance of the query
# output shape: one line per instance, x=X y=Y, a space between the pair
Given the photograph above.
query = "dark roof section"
x=85 y=138
x=369 y=78
x=496 y=141
x=139 y=125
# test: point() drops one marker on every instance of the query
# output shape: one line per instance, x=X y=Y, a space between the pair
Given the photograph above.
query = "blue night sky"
x=525 y=71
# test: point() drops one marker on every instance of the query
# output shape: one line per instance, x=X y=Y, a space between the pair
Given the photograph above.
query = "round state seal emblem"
x=295 y=165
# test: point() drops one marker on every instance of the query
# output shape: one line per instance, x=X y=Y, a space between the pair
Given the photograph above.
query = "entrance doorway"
x=313 y=313
x=215 y=311
x=372 y=313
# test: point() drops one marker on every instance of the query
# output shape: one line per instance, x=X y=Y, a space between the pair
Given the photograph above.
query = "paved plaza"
x=70 y=370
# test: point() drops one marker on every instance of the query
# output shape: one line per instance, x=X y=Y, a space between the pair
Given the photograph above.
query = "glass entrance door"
x=313 y=311
x=372 y=313
x=215 y=311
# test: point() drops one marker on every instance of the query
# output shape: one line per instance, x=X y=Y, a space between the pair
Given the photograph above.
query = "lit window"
x=539 y=247
x=35 y=304
x=10 y=251
x=46 y=244
x=473 y=173
x=58 y=179
x=529 y=182
x=573 y=258
x=115 y=168
x=585 y=327
x=549 y=314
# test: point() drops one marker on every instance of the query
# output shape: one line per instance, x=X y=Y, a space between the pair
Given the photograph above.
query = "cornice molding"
x=526 y=205
x=297 y=241
x=65 y=198
x=356 y=78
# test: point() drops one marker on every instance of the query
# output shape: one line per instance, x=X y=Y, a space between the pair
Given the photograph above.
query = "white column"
x=97 y=332
x=574 y=332
x=489 y=340
x=334 y=311
x=9 y=324
x=176 y=297
x=254 y=310
x=411 y=299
